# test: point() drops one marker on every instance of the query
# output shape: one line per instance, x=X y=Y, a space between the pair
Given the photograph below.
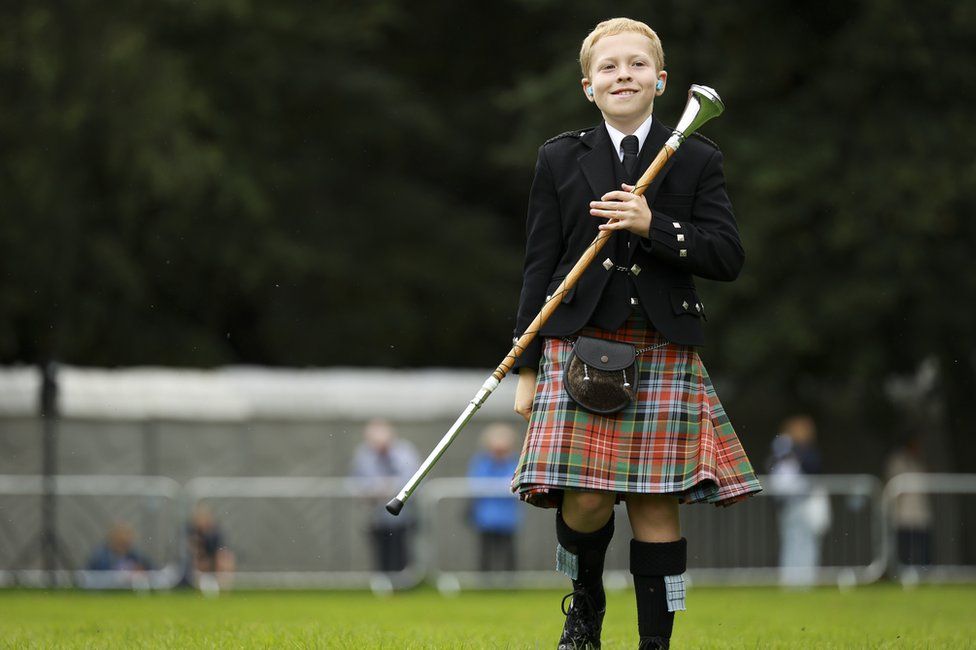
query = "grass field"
x=882 y=616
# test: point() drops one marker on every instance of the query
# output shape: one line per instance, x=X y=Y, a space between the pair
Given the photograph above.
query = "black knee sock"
x=591 y=551
x=649 y=563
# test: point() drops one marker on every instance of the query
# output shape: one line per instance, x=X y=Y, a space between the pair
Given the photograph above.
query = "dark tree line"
x=289 y=183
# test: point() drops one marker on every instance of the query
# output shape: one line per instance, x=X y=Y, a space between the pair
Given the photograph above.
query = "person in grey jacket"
x=380 y=464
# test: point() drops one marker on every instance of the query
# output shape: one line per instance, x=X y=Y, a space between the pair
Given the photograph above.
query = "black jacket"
x=693 y=232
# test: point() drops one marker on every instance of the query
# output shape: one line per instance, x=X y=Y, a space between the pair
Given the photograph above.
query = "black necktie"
x=630 y=146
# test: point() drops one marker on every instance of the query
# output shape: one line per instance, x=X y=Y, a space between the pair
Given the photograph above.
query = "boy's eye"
x=607 y=66
x=639 y=63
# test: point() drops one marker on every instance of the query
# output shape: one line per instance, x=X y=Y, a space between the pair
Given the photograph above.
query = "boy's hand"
x=629 y=210
x=525 y=392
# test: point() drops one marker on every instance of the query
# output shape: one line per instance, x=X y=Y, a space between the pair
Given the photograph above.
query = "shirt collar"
x=641 y=133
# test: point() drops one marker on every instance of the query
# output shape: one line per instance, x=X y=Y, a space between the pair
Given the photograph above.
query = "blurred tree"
x=220 y=182
x=230 y=181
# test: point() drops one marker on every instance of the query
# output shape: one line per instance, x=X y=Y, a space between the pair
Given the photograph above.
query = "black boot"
x=581 y=556
x=584 y=622
x=650 y=562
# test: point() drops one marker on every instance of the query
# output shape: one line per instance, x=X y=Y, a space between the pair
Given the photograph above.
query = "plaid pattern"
x=674 y=589
x=675 y=438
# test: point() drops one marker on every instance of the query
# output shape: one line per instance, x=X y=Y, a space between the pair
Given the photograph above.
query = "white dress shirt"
x=617 y=137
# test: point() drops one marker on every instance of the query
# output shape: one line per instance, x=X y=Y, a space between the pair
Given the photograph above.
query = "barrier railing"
x=440 y=543
x=153 y=501
x=294 y=532
x=313 y=532
x=726 y=546
x=943 y=544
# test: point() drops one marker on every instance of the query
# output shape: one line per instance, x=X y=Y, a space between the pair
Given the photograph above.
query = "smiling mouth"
x=624 y=93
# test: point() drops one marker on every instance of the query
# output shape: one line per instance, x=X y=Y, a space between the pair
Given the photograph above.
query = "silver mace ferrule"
x=703 y=104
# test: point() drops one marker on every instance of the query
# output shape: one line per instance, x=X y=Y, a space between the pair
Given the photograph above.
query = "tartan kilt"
x=674 y=438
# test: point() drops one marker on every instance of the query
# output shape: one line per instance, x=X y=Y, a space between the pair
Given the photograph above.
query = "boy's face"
x=623 y=77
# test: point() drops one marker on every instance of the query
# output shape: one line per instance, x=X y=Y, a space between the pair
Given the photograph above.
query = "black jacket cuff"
x=669 y=240
x=530 y=357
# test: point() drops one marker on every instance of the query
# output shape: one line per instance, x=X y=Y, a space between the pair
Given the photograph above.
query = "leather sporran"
x=601 y=375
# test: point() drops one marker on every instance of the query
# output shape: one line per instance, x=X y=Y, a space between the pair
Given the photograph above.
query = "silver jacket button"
x=608 y=264
x=681 y=237
x=685 y=304
x=683 y=252
x=635 y=269
x=677 y=226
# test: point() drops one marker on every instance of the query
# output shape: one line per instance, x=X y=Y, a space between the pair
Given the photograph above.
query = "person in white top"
x=912 y=512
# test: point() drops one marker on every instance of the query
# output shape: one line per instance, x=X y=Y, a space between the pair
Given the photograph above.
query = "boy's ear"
x=587 y=89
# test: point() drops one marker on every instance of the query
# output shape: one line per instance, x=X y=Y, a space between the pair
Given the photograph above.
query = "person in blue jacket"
x=496 y=518
x=118 y=552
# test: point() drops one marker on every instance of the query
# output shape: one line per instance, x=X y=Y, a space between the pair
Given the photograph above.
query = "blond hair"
x=616 y=26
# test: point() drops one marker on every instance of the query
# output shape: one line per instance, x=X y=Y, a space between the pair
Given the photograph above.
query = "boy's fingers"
x=606 y=205
x=610 y=205
x=606 y=214
x=617 y=195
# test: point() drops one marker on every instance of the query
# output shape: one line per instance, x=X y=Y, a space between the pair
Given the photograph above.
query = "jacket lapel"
x=658 y=135
x=597 y=165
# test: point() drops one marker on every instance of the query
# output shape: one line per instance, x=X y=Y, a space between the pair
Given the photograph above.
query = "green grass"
x=882 y=616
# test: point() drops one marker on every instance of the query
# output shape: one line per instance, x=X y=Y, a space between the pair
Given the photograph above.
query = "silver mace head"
x=703 y=104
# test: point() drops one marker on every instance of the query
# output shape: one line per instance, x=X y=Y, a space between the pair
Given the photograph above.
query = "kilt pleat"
x=675 y=438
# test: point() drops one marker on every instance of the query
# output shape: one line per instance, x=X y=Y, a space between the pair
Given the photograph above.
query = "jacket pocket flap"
x=554 y=284
x=603 y=354
x=684 y=300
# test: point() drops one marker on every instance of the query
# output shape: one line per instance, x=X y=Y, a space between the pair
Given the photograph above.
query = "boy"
x=674 y=443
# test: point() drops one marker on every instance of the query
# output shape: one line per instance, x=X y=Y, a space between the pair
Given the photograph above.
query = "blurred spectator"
x=496 y=518
x=912 y=511
x=211 y=563
x=804 y=511
x=118 y=553
x=117 y=557
x=382 y=464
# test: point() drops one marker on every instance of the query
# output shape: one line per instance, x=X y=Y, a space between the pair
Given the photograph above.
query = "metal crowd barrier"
x=297 y=535
x=152 y=502
x=726 y=546
x=444 y=503
x=943 y=495
x=293 y=532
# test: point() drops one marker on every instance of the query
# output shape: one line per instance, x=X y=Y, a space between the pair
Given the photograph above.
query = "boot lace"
x=582 y=628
